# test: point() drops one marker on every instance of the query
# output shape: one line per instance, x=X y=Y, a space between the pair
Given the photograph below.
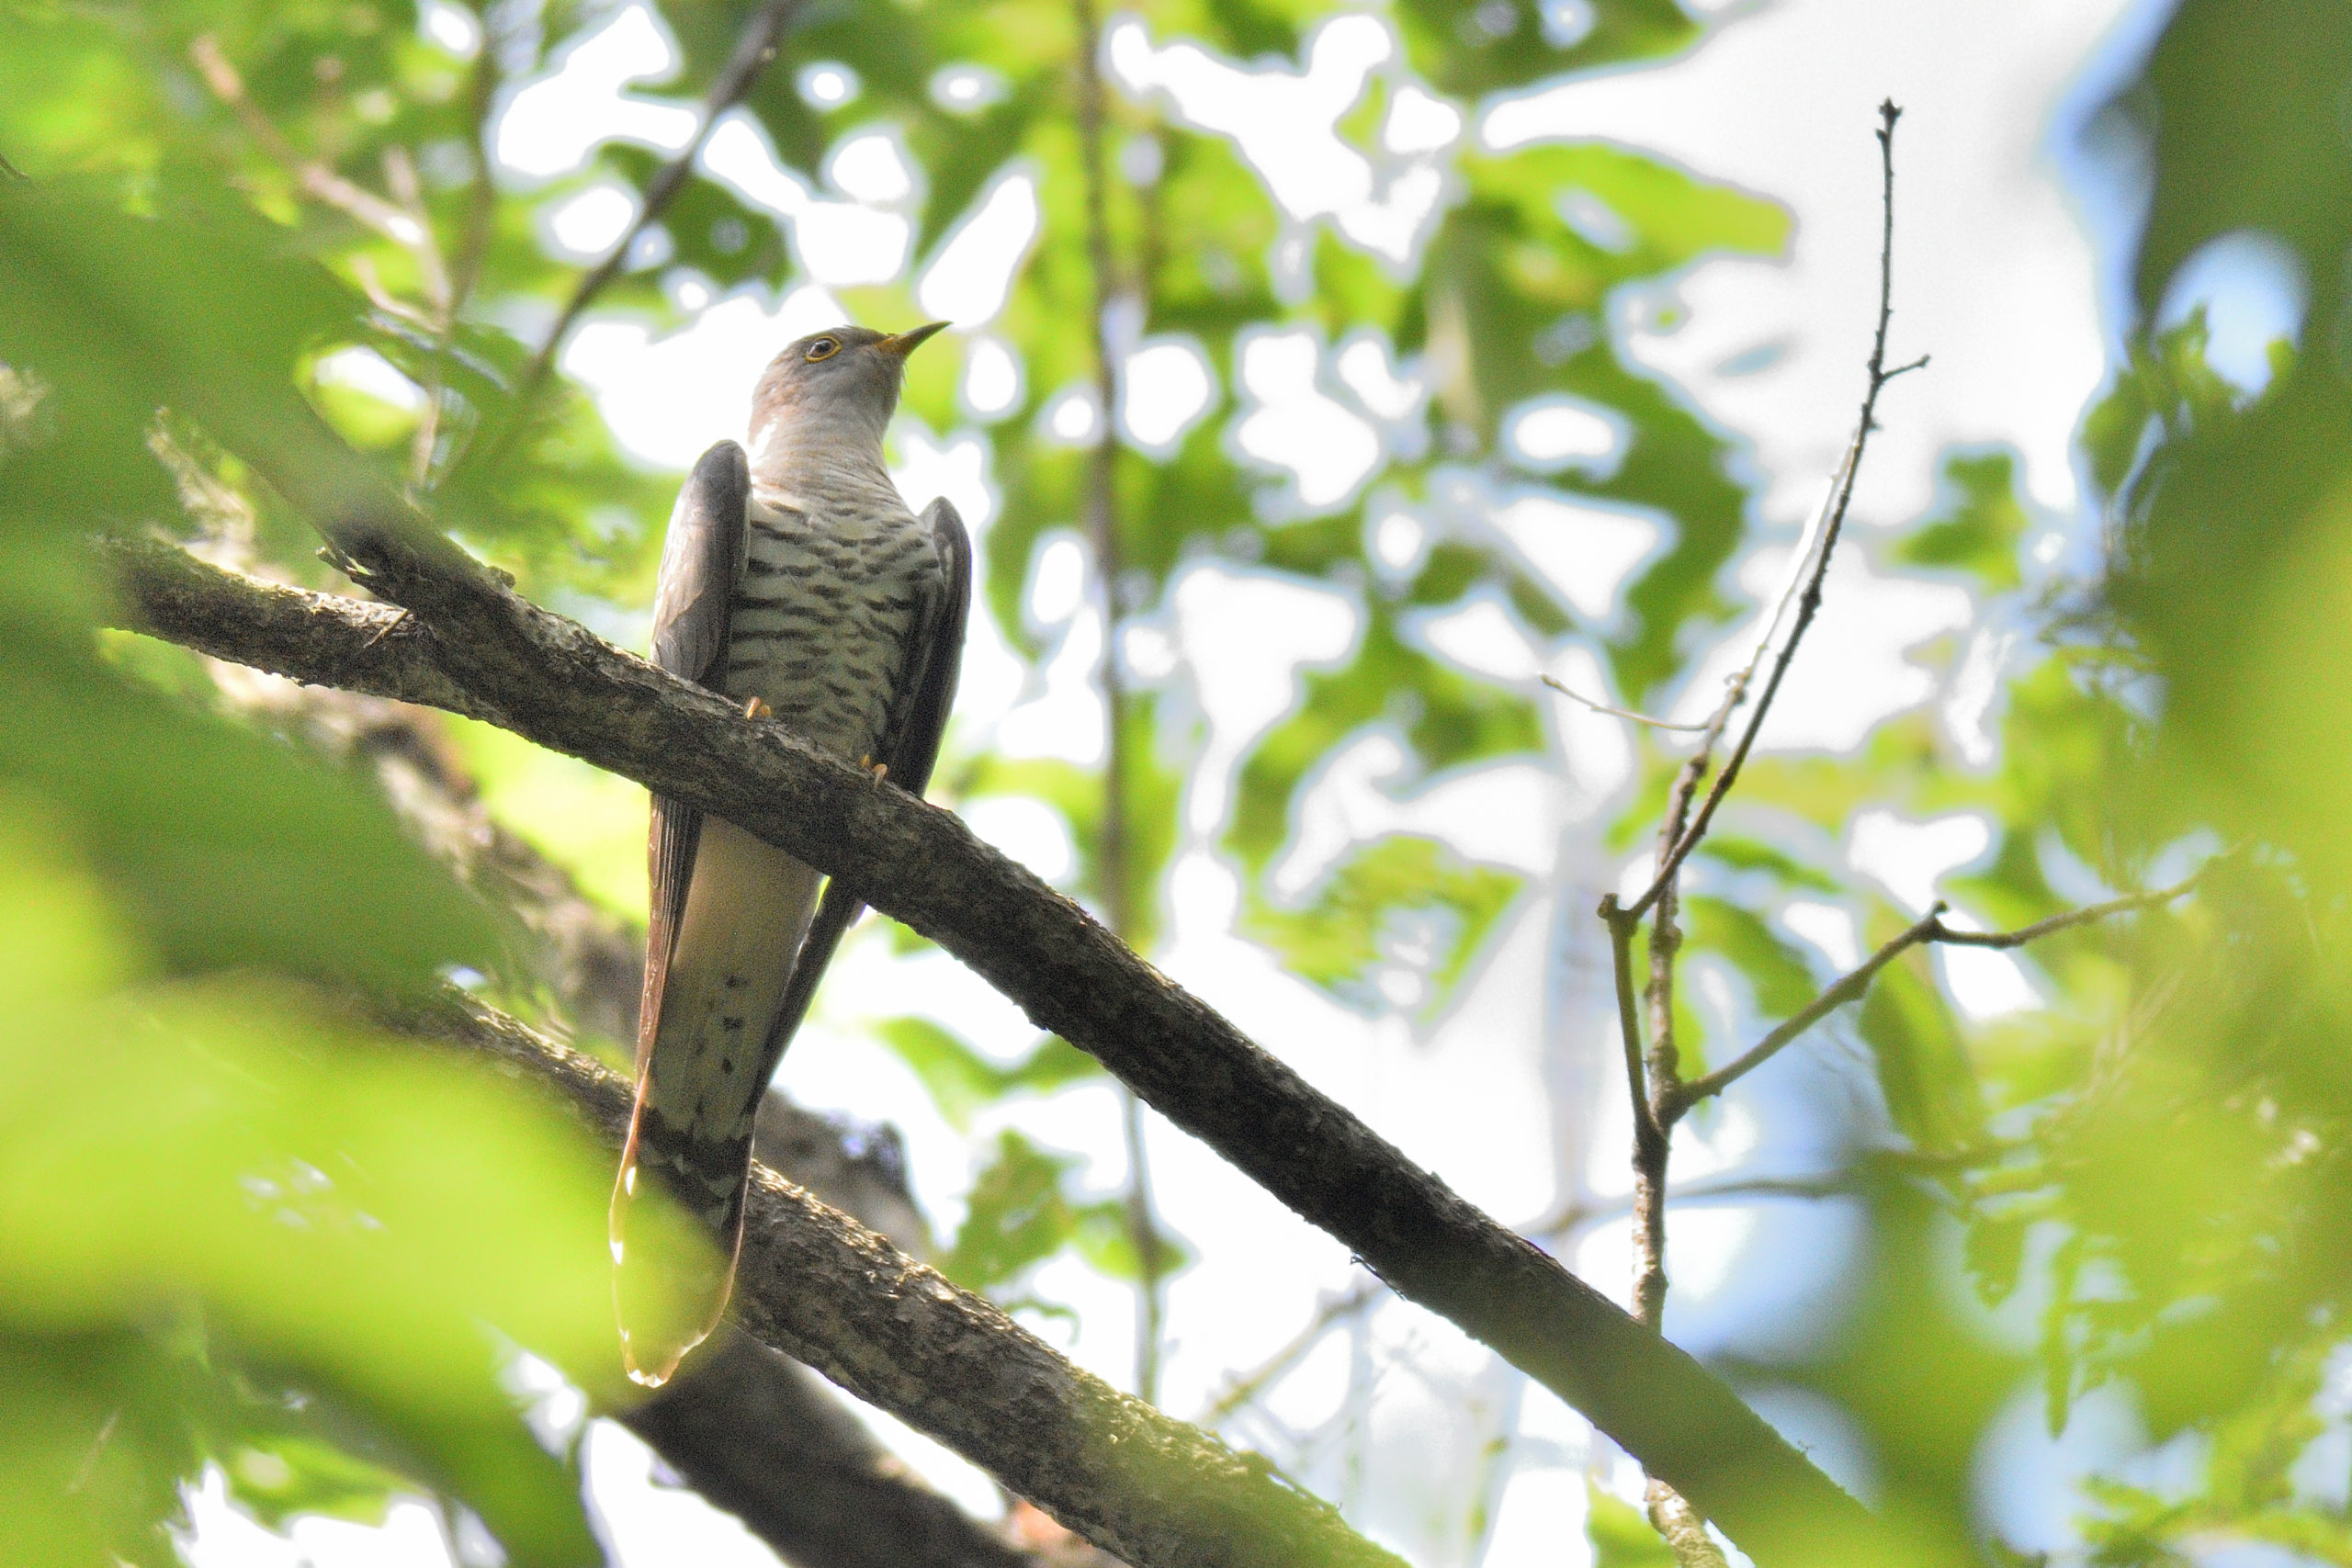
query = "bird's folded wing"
x=702 y=564
x=918 y=720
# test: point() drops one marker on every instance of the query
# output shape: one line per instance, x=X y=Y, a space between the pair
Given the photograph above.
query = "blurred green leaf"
x=1401 y=903
x=1923 y=1066
x=1475 y=50
x=359 y=1209
x=234 y=851
x=961 y=1081
x=1447 y=718
x=1620 y=1534
x=1753 y=855
x=1021 y=1212
x=1983 y=524
x=1777 y=968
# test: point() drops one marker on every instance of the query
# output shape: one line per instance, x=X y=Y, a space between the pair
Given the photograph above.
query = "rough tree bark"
x=823 y=1289
x=463 y=641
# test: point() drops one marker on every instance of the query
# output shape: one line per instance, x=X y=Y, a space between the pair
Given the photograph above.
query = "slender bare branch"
x=1846 y=988
x=1929 y=928
x=1244 y=1389
x=754 y=48
x=2071 y=917
x=1115 y=875
x=1809 y=602
x=1651 y=1131
x=1576 y=696
x=485 y=651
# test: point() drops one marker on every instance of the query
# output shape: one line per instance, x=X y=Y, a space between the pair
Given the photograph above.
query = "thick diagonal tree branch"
x=818 y=1286
x=471 y=645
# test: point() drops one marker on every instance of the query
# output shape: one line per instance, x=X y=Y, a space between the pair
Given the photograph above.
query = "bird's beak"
x=900 y=344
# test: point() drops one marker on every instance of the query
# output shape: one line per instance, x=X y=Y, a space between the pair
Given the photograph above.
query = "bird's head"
x=831 y=388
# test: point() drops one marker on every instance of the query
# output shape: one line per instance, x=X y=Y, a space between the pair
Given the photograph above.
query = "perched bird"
x=796 y=582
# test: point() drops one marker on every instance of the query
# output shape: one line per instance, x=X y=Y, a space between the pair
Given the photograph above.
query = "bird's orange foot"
x=755 y=708
x=879 y=770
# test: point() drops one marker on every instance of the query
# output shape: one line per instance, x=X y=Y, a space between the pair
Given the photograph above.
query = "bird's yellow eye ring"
x=823 y=349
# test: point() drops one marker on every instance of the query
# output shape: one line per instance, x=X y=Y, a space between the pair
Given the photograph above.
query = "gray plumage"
x=799 y=577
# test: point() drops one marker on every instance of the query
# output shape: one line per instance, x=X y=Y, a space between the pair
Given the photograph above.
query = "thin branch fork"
x=1809 y=601
x=1851 y=985
x=1654 y=1078
x=754 y=48
x=471 y=645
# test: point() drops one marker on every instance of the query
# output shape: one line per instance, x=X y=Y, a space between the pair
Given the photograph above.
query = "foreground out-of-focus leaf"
x=357 y=1210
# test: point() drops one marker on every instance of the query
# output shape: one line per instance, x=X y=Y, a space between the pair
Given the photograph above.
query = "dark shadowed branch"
x=752 y=1431
x=473 y=645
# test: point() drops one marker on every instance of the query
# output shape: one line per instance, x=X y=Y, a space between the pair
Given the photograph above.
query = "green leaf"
x=299 y=1474
x=1447 y=718
x=962 y=1082
x=1021 y=1214
x=232 y=850
x=1979 y=526
x=1477 y=50
x=1401 y=908
x=1923 y=1066
x=1620 y=1535
x=356 y=1212
x=1753 y=854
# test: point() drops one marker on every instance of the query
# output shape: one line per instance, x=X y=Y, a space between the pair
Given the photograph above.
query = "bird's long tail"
x=677 y=1216
x=678 y=1229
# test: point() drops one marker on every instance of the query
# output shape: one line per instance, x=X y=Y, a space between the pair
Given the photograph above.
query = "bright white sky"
x=1997 y=277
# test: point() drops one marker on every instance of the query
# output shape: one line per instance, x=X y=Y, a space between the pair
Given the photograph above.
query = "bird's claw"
x=879 y=770
x=756 y=708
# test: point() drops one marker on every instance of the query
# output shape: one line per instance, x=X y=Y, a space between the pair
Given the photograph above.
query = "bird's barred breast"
x=826 y=614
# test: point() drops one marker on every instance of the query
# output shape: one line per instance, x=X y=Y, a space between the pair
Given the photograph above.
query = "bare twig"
x=1929 y=928
x=1654 y=1074
x=2071 y=917
x=1809 y=602
x=1848 y=987
x=1244 y=1389
x=754 y=48
x=1652 y=1133
x=1576 y=696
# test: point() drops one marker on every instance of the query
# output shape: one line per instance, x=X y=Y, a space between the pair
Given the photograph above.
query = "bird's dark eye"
x=823 y=349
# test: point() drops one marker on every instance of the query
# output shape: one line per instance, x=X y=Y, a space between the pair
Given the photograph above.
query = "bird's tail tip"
x=674 y=1270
